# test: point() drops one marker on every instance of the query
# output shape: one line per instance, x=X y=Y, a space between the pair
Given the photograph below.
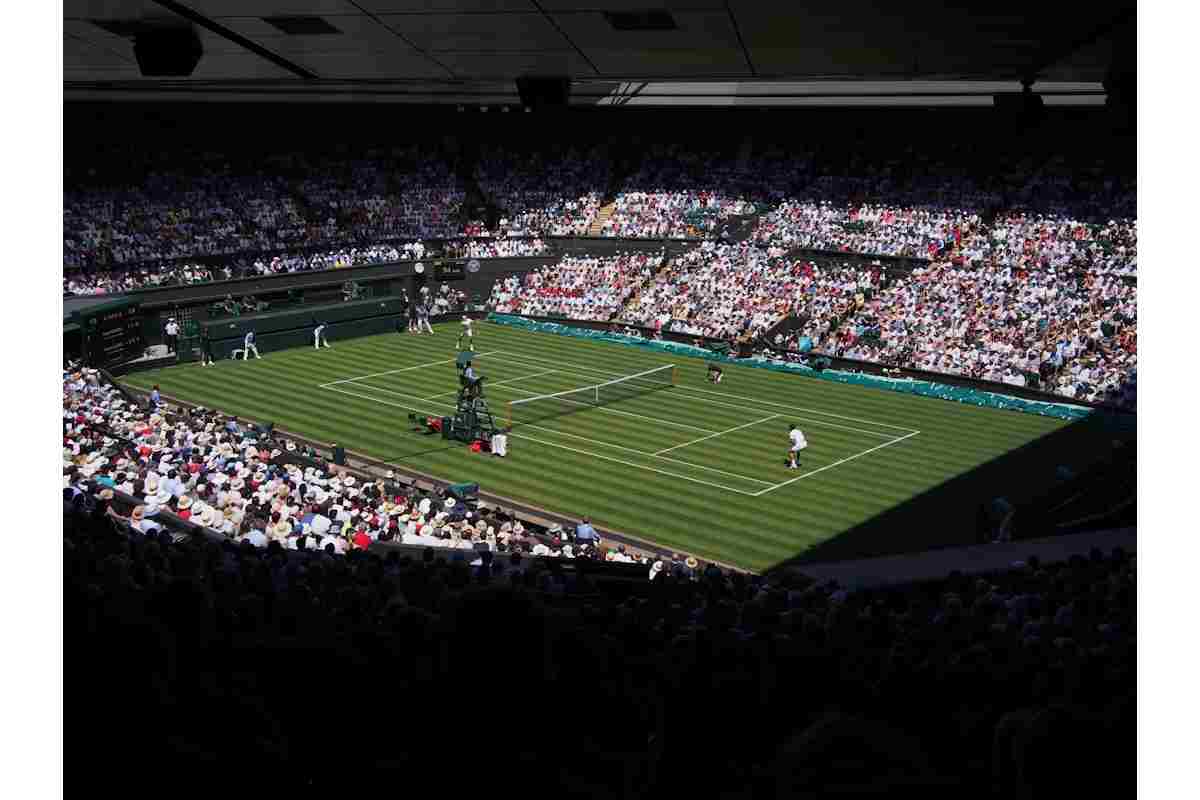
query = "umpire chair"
x=472 y=420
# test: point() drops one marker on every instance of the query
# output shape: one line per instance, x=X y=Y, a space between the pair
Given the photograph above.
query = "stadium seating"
x=1029 y=272
x=776 y=682
x=576 y=287
x=207 y=469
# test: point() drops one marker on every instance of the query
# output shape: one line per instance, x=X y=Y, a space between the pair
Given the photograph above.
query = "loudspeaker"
x=543 y=92
x=167 y=52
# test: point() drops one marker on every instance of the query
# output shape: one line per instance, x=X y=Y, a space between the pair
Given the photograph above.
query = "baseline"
x=836 y=463
x=565 y=447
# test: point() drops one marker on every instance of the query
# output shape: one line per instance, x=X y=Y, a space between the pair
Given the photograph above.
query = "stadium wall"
x=171 y=297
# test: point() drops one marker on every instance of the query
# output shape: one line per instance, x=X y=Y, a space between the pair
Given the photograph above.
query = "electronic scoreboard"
x=111 y=333
x=449 y=271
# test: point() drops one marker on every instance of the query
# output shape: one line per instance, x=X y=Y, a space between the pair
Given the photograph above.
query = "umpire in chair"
x=470 y=383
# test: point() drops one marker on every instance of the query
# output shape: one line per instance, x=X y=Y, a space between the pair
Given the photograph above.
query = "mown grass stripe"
x=952 y=464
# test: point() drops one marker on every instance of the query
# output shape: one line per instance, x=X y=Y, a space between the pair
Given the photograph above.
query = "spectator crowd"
x=576 y=287
x=550 y=191
x=968 y=683
x=234 y=479
x=741 y=291
x=1026 y=273
x=182 y=273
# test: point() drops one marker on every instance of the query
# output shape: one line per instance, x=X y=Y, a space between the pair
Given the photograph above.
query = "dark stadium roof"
x=471 y=50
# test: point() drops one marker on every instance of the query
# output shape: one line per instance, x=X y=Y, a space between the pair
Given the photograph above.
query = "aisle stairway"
x=601 y=217
x=636 y=295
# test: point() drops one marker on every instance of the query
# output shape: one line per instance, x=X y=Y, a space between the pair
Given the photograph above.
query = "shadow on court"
x=1044 y=499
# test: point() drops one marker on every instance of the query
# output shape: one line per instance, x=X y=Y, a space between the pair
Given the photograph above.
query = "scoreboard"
x=449 y=271
x=111 y=333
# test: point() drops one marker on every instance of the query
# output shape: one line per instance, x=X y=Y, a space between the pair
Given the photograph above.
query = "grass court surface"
x=695 y=467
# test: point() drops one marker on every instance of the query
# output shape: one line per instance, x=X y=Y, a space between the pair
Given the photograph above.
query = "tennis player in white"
x=798 y=444
x=248 y=345
x=467 y=333
x=319 y=336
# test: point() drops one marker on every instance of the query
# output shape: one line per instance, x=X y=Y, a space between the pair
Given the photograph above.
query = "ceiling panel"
x=78 y=53
x=395 y=65
x=91 y=74
x=633 y=5
x=86 y=31
x=840 y=54
x=459 y=6
x=358 y=34
x=270 y=8
x=246 y=66
x=113 y=9
x=477 y=32
x=512 y=65
x=683 y=63
x=697 y=29
x=502 y=39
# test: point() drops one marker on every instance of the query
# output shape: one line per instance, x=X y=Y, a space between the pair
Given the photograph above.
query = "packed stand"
x=733 y=291
x=1034 y=241
x=966 y=684
x=497 y=248
x=182 y=273
x=874 y=229
x=677 y=193
x=384 y=194
x=576 y=287
x=232 y=478
x=1076 y=333
x=549 y=192
x=215 y=205
x=155 y=212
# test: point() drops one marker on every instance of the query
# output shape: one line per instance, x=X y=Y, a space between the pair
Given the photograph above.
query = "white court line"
x=655 y=455
x=645 y=453
x=605 y=410
x=836 y=463
x=564 y=447
x=490 y=384
x=401 y=369
x=638 y=466
x=534 y=362
x=556 y=432
x=798 y=408
x=794 y=417
x=380 y=400
x=713 y=435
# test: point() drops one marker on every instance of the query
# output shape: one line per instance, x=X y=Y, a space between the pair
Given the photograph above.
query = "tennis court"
x=688 y=465
x=641 y=421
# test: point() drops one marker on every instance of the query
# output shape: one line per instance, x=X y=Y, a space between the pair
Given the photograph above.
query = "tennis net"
x=534 y=409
